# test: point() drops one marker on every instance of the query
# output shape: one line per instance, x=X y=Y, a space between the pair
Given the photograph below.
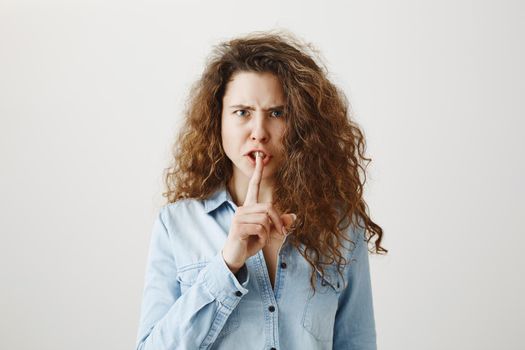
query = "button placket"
x=268 y=292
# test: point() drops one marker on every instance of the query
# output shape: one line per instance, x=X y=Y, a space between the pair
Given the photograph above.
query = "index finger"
x=253 y=186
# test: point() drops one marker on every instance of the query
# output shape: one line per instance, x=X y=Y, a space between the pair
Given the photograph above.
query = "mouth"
x=251 y=157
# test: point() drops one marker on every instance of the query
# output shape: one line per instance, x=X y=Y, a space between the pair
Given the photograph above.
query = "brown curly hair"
x=320 y=138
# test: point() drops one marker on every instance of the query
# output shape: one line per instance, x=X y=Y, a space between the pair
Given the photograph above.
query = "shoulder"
x=355 y=246
x=180 y=211
x=354 y=237
x=181 y=206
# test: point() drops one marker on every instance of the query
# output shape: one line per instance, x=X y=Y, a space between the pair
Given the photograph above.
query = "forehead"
x=254 y=88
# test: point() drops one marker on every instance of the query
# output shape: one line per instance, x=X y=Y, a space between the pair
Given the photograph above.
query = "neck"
x=238 y=187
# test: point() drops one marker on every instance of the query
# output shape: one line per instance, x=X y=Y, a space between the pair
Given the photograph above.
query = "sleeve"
x=354 y=321
x=171 y=321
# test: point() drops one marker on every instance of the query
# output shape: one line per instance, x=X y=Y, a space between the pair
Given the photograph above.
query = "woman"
x=263 y=242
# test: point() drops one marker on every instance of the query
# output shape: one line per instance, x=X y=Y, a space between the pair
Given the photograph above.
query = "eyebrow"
x=253 y=109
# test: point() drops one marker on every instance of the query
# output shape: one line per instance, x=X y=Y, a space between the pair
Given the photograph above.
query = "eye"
x=240 y=110
x=279 y=113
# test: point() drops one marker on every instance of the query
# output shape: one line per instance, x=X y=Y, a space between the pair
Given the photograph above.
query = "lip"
x=266 y=160
x=257 y=149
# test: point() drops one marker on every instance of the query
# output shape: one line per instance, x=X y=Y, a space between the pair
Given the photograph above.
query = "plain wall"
x=91 y=96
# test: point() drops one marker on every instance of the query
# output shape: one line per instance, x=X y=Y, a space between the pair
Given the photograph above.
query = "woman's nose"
x=259 y=129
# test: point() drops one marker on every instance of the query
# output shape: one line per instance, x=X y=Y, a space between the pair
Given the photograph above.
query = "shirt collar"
x=218 y=198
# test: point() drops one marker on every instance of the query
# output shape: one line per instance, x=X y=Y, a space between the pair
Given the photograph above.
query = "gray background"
x=91 y=94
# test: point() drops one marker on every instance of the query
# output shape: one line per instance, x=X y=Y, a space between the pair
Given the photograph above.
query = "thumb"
x=288 y=219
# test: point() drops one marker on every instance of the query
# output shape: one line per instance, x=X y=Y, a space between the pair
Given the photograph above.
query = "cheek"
x=279 y=127
x=280 y=137
x=233 y=132
x=230 y=140
x=225 y=133
x=227 y=143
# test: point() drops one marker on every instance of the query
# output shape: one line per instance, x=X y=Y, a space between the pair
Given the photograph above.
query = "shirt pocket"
x=321 y=307
x=187 y=276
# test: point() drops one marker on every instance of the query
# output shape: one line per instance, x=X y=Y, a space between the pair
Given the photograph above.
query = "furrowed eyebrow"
x=252 y=108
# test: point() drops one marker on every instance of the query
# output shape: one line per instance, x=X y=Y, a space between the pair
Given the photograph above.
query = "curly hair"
x=320 y=138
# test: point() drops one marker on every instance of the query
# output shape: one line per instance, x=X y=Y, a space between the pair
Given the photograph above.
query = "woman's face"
x=253 y=118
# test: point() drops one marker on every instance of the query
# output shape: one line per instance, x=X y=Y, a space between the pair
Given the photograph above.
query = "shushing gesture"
x=253 y=224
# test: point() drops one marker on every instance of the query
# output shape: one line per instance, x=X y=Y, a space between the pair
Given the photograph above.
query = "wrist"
x=234 y=268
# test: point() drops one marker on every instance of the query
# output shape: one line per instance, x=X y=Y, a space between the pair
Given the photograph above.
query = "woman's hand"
x=253 y=224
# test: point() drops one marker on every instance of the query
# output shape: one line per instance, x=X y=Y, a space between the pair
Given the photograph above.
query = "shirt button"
x=271 y=308
x=283 y=265
x=238 y=293
x=273 y=349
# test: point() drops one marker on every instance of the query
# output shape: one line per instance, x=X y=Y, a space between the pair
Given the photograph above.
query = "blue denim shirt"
x=191 y=300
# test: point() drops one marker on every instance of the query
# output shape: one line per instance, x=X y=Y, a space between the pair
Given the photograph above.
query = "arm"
x=354 y=320
x=173 y=321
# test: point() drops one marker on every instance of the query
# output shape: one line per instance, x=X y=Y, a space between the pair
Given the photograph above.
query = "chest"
x=271 y=252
